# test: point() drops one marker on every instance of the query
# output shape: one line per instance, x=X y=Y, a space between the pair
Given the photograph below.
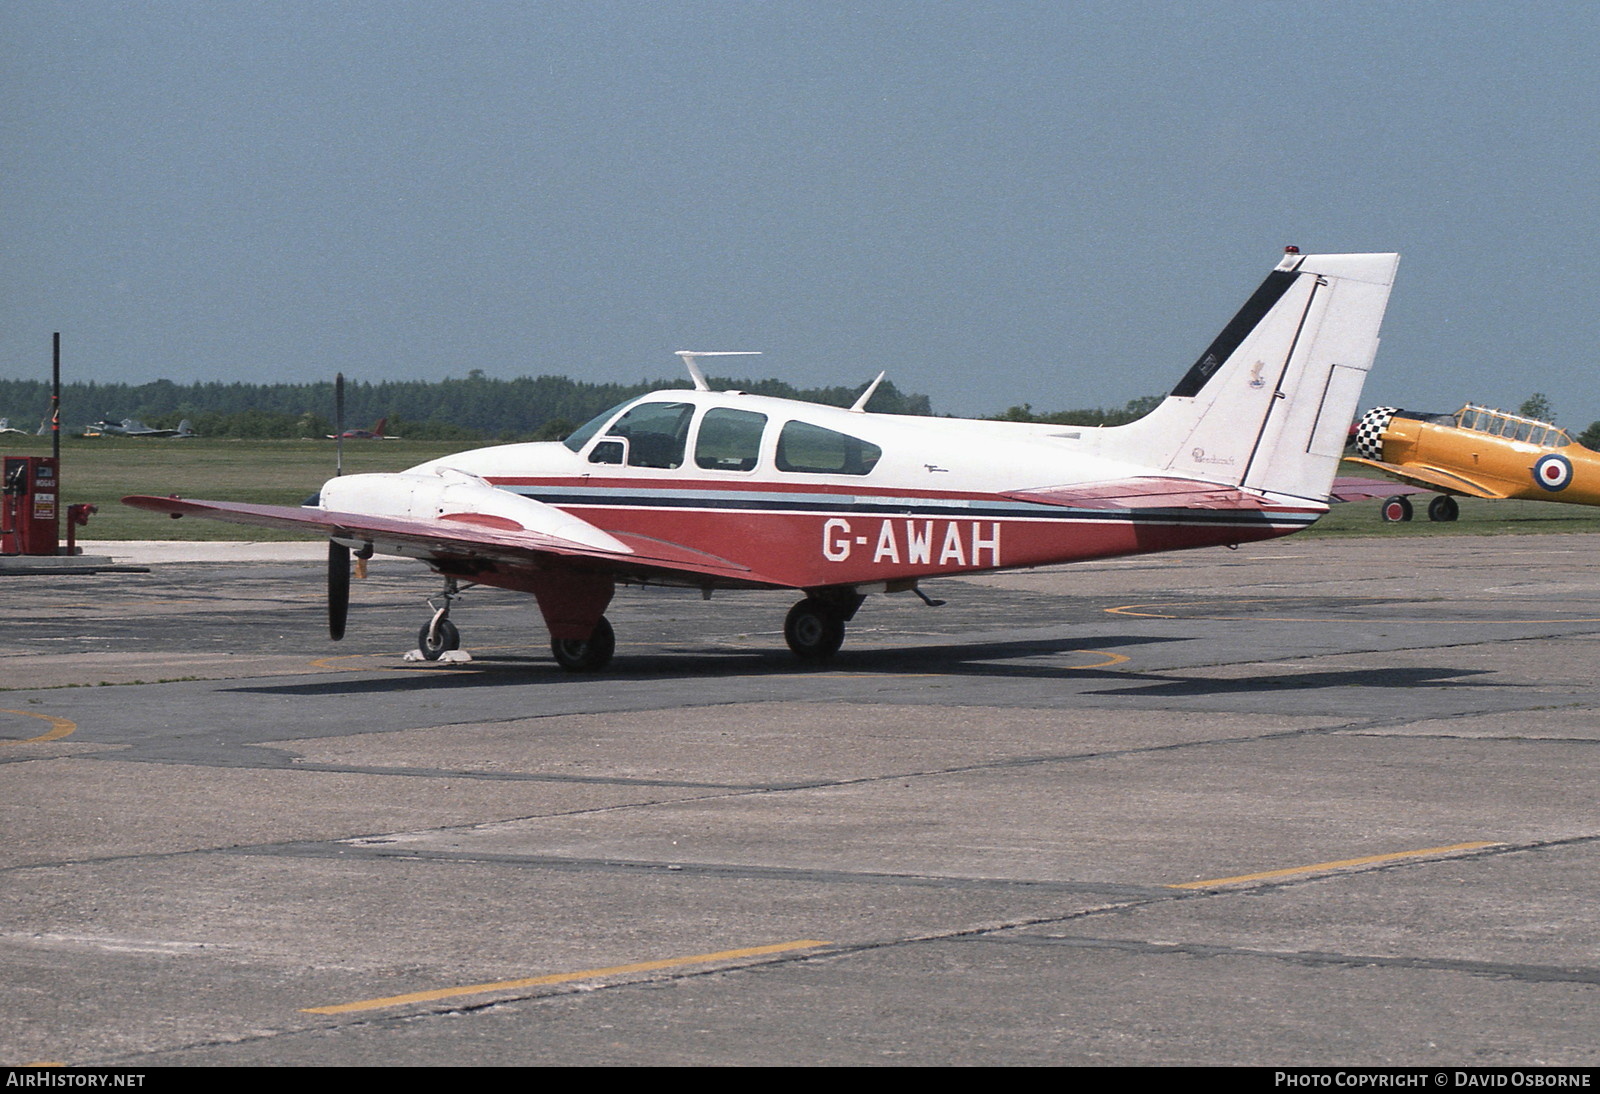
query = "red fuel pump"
x=30 y=513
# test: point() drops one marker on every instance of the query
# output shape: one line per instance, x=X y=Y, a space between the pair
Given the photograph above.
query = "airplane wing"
x=1350 y=488
x=486 y=538
x=1434 y=478
x=1145 y=492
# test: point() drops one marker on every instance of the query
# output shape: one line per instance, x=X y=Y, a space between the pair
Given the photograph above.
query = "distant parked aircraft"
x=133 y=427
x=374 y=434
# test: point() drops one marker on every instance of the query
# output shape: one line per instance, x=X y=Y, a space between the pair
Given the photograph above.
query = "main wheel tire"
x=444 y=637
x=1443 y=508
x=1396 y=509
x=814 y=630
x=586 y=654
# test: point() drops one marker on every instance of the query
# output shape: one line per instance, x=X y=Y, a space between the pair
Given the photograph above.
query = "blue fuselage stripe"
x=750 y=501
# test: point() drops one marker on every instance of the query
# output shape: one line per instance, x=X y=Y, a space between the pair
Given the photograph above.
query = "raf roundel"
x=1553 y=472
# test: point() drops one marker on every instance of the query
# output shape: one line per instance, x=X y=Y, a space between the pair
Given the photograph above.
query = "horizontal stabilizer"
x=1146 y=492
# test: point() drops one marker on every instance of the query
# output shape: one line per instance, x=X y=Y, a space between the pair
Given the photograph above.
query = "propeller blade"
x=338 y=588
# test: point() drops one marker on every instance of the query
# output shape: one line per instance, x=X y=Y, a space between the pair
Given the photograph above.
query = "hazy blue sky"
x=1057 y=203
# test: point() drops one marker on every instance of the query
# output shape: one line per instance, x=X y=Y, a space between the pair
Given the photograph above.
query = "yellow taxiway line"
x=1324 y=867
x=561 y=978
x=59 y=728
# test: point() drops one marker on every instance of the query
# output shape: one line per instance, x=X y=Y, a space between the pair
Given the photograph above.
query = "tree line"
x=472 y=409
x=475 y=408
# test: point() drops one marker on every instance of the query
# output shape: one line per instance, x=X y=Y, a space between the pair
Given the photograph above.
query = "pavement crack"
x=1573 y=974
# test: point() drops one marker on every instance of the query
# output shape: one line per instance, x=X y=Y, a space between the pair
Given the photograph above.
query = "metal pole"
x=55 y=436
x=55 y=406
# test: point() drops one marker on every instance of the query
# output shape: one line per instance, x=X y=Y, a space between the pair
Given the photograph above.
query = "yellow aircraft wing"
x=1433 y=478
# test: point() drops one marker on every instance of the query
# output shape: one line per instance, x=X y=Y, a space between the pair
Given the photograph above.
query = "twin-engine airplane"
x=723 y=490
x=1476 y=453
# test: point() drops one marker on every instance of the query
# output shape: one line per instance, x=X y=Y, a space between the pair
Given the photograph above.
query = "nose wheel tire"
x=1396 y=509
x=586 y=654
x=813 y=630
x=434 y=640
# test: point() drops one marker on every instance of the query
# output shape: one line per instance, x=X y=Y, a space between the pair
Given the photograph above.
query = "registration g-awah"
x=721 y=490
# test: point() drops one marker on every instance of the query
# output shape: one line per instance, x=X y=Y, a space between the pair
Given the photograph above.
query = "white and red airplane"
x=722 y=490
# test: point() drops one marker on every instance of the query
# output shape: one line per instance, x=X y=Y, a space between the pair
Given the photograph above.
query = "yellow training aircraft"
x=1476 y=453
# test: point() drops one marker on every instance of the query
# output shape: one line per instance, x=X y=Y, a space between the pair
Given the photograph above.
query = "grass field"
x=102 y=470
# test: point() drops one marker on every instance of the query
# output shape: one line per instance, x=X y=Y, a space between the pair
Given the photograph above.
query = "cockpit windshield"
x=580 y=436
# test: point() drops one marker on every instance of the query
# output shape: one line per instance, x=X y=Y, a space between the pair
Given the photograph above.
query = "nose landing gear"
x=438 y=636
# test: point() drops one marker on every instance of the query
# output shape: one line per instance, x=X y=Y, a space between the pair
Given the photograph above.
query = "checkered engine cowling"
x=1369 y=431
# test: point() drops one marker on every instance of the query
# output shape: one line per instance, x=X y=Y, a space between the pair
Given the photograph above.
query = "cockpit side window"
x=729 y=440
x=813 y=449
x=655 y=432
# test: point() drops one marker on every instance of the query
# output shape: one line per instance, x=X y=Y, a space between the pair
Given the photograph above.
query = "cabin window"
x=729 y=440
x=655 y=433
x=812 y=449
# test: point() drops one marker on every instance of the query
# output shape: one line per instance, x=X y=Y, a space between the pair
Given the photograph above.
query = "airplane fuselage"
x=902 y=497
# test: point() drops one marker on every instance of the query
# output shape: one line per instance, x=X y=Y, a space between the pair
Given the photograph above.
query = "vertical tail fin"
x=1268 y=405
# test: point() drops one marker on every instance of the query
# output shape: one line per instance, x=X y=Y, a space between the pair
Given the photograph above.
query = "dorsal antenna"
x=860 y=406
x=695 y=372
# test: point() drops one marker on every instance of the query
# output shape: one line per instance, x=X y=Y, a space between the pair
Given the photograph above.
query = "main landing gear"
x=586 y=654
x=814 y=628
x=1442 y=508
